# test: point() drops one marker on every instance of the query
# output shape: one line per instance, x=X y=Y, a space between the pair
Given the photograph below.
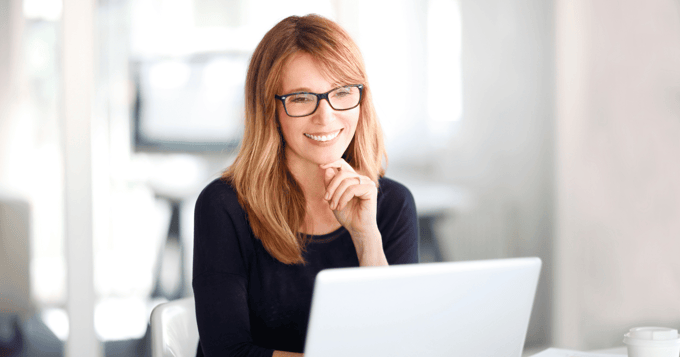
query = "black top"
x=250 y=304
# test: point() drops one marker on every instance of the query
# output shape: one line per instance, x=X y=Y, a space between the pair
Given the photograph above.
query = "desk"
x=556 y=351
x=614 y=351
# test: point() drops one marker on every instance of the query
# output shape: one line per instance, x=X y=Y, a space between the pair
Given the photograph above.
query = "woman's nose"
x=324 y=113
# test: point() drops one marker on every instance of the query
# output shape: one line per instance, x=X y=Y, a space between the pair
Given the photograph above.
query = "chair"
x=173 y=329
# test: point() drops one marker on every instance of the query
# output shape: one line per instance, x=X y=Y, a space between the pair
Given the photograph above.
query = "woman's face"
x=323 y=136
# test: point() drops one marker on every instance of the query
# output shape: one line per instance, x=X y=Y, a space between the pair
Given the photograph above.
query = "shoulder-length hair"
x=273 y=200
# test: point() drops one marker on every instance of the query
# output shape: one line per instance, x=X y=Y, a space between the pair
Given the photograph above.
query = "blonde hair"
x=271 y=197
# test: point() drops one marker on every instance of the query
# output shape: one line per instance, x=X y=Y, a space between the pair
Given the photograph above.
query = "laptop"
x=472 y=308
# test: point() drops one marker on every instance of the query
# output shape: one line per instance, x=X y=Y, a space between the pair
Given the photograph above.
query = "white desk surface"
x=614 y=351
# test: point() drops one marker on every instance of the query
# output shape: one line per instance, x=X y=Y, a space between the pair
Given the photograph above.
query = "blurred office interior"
x=523 y=128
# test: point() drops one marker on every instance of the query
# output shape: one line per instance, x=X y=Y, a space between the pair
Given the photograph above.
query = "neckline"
x=324 y=238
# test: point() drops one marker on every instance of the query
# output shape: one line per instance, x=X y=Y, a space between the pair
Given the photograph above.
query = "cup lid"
x=652 y=335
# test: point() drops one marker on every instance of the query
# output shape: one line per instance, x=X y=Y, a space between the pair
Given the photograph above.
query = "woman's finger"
x=362 y=192
x=339 y=164
x=328 y=176
x=341 y=187
x=338 y=178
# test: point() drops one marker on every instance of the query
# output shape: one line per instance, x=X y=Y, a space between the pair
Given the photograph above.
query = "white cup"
x=652 y=342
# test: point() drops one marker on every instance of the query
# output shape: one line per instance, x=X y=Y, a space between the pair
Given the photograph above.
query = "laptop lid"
x=472 y=308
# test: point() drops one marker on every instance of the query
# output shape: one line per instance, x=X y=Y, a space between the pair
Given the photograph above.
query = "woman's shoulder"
x=219 y=193
x=392 y=189
x=222 y=236
x=219 y=185
x=218 y=212
x=394 y=196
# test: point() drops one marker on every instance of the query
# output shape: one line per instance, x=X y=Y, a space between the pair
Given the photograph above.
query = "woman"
x=305 y=193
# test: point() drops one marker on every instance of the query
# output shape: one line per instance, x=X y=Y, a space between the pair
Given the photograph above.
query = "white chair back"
x=173 y=329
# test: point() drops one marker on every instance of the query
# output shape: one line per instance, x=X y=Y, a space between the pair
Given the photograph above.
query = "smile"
x=323 y=138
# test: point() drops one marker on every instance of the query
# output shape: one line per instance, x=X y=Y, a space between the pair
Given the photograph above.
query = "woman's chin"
x=327 y=159
x=316 y=157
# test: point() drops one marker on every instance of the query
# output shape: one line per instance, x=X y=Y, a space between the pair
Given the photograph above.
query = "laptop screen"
x=474 y=308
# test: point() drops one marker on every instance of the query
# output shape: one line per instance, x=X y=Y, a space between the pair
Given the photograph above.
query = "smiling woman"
x=305 y=193
x=300 y=54
x=318 y=133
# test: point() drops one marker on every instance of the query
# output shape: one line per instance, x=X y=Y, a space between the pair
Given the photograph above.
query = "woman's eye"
x=341 y=93
x=300 y=99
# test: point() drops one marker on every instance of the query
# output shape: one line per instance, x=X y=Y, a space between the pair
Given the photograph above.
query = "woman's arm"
x=369 y=248
x=398 y=222
x=353 y=199
x=220 y=276
x=389 y=236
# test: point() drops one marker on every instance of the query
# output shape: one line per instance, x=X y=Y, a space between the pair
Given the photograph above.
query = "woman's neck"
x=319 y=219
x=310 y=178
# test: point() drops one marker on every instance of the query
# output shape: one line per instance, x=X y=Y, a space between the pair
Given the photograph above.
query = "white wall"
x=618 y=169
x=10 y=60
x=15 y=215
x=503 y=151
x=569 y=142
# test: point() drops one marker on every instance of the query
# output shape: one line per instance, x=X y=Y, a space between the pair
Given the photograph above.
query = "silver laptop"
x=473 y=308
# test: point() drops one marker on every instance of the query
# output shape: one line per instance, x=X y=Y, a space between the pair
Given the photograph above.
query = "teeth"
x=323 y=137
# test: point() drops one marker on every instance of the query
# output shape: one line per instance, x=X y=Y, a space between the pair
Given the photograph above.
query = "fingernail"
x=325 y=197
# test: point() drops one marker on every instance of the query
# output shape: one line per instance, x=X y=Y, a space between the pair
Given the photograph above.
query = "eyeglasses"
x=301 y=104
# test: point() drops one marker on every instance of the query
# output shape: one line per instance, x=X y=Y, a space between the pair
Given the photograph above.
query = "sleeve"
x=220 y=280
x=398 y=223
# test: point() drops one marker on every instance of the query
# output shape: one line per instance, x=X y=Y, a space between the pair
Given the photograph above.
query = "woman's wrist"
x=369 y=247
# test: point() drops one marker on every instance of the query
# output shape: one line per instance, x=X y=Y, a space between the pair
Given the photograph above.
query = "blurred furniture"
x=177 y=180
x=22 y=330
x=173 y=329
x=434 y=202
x=15 y=297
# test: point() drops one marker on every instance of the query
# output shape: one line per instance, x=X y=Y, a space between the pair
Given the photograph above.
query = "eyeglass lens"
x=342 y=98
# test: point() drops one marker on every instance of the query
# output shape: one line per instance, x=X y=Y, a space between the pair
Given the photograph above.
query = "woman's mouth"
x=323 y=138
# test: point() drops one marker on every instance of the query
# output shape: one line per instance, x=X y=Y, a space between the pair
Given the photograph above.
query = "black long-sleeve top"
x=250 y=304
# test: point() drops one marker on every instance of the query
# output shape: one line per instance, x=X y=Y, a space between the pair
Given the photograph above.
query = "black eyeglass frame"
x=320 y=96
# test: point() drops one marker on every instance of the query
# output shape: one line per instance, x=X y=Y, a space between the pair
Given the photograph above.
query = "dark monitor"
x=189 y=104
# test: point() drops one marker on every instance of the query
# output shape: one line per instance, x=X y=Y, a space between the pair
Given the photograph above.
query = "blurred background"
x=541 y=128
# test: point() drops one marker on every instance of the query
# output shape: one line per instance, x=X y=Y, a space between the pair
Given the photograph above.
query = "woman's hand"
x=351 y=196
x=354 y=199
